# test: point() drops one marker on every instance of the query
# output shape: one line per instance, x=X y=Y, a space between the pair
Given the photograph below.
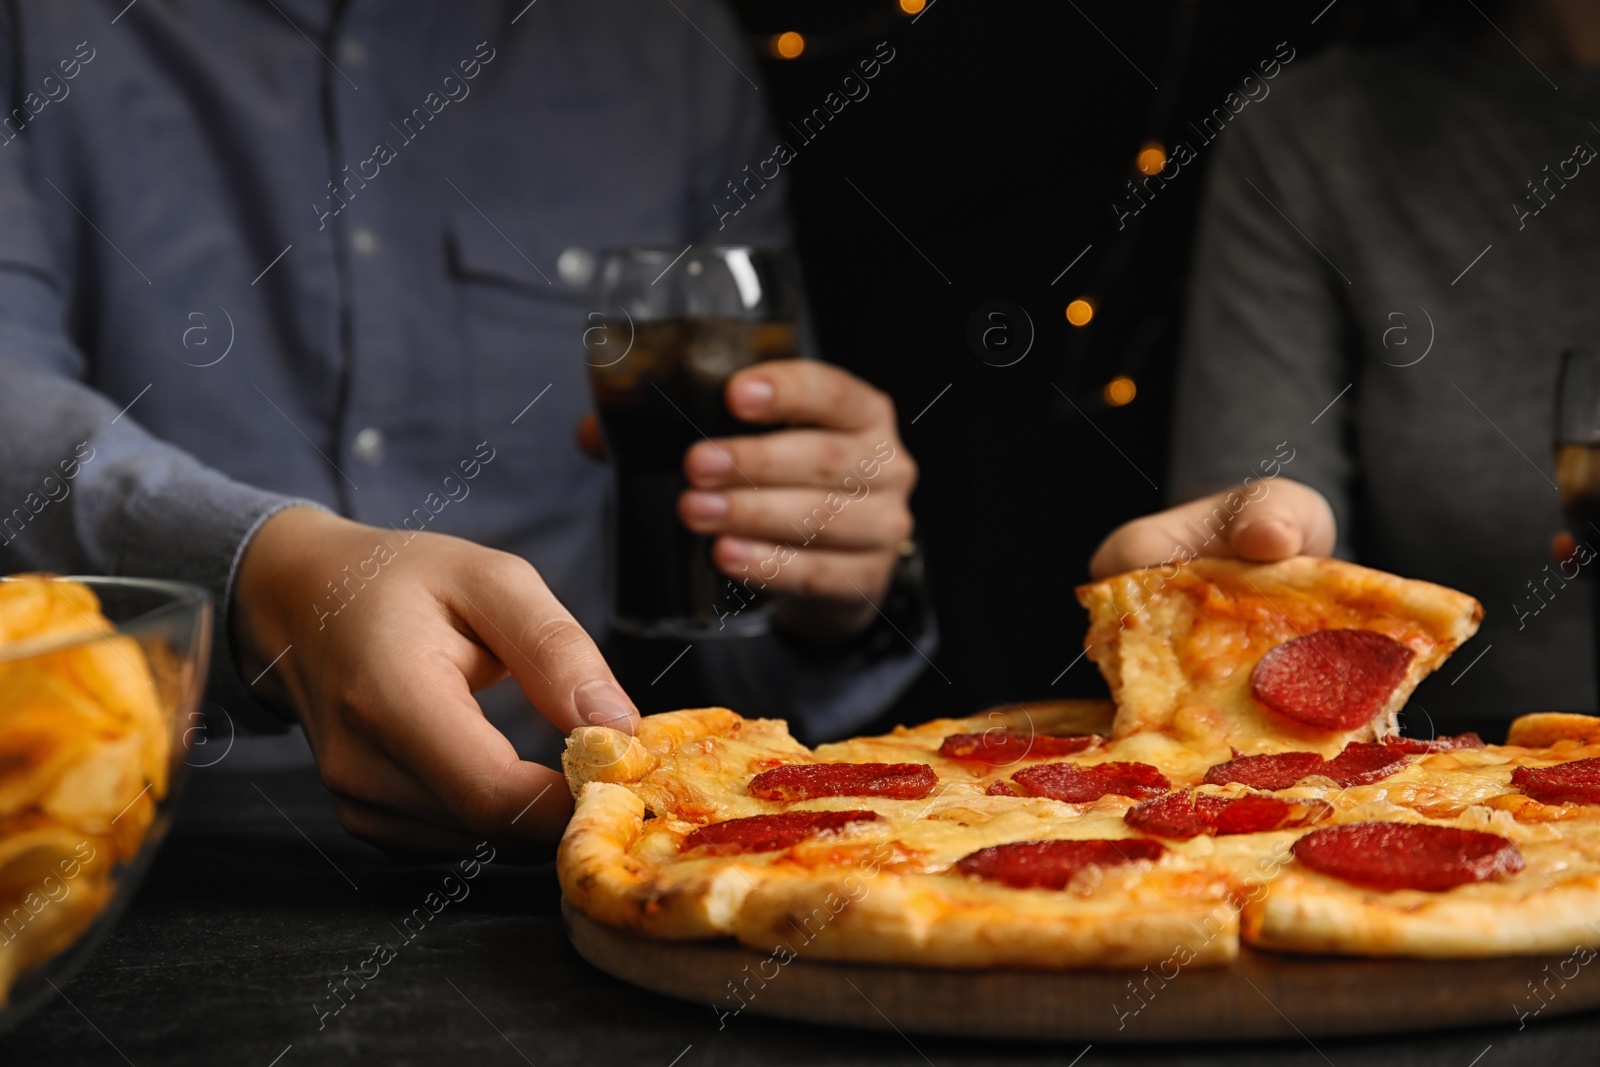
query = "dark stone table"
x=249 y=912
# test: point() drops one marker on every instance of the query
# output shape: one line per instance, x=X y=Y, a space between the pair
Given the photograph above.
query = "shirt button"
x=364 y=241
x=353 y=53
x=576 y=266
x=368 y=446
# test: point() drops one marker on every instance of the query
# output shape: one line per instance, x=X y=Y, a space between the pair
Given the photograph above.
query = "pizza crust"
x=604 y=877
x=592 y=861
x=671 y=730
x=1526 y=916
x=601 y=754
x=1546 y=728
x=947 y=921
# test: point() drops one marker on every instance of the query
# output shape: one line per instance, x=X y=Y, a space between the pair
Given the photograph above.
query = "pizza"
x=1244 y=786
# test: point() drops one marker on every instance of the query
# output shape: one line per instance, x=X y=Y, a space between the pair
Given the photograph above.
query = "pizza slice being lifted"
x=1312 y=653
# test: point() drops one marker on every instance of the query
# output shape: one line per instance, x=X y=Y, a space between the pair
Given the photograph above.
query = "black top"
x=1373 y=287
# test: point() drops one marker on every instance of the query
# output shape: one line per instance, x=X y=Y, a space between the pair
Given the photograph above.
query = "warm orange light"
x=789 y=44
x=1151 y=158
x=912 y=7
x=1080 y=311
x=1119 y=391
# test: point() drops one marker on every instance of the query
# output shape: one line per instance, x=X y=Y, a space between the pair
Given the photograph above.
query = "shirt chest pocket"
x=522 y=284
x=520 y=309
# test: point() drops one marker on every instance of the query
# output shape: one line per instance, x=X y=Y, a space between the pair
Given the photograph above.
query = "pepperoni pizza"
x=1247 y=785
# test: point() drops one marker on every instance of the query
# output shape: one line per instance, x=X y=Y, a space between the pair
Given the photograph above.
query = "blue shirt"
x=258 y=251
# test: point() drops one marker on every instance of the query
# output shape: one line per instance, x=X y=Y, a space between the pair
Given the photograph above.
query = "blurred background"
x=982 y=166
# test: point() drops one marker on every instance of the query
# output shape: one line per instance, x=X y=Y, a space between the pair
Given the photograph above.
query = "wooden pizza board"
x=1261 y=995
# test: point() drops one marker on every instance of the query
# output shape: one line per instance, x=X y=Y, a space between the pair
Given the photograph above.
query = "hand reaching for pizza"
x=1268 y=521
x=381 y=676
x=816 y=512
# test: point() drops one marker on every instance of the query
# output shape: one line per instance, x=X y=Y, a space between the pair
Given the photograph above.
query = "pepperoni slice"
x=1053 y=864
x=1577 y=782
x=1254 y=815
x=769 y=833
x=1419 y=746
x=1277 y=771
x=1392 y=855
x=1332 y=679
x=1002 y=789
x=805 y=781
x=1362 y=763
x=1002 y=747
x=1176 y=815
x=1080 y=785
x=1184 y=815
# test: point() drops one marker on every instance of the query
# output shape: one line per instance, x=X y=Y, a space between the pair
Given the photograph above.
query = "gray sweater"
x=1370 y=241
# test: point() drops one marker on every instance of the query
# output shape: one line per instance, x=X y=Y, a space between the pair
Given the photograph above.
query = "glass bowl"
x=97 y=703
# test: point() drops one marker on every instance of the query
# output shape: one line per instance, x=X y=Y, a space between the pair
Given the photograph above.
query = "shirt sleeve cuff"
x=201 y=538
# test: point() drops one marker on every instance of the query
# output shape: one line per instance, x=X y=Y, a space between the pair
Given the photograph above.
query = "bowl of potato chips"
x=99 y=681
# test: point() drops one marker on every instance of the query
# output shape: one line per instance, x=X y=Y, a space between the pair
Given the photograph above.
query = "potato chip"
x=97 y=787
x=45 y=683
x=53 y=883
x=35 y=609
x=34 y=755
x=115 y=674
x=85 y=750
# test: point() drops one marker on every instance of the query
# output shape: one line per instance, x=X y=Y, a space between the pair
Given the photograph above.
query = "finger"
x=422 y=715
x=846 y=463
x=412 y=842
x=405 y=838
x=398 y=833
x=1293 y=517
x=553 y=659
x=806 y=572
x=1290 y=519
x=353 y=769
x=590 y=441
x=799 y=516
x=808 y=392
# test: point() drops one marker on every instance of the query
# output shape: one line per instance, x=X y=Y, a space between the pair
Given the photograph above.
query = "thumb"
x=1284 y=518
x=1290 y=519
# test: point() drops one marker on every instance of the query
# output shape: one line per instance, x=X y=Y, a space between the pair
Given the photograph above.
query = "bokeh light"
x=1119 y=391
x=1080 y=311
x=788 y=45
x=1151 y=158
x=912 y=7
